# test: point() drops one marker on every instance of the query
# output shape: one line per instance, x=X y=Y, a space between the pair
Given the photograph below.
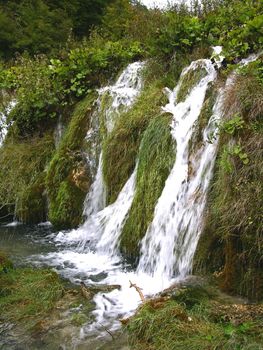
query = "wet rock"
x=89 y=291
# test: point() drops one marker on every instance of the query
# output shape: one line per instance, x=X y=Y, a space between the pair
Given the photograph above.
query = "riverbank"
x=196 y=317
x=41 y=310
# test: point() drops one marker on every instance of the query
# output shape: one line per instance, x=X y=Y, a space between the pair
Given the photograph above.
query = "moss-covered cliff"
x=231 y=244
x=68 y=175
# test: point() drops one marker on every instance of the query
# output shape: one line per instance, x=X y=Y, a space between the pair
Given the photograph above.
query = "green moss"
x=21 y=176
x=232 y=242
x=205 y=114
x=190 y=79
x=31 y=205
x=27 y=295
x=66 y=209
x=121 y=148
x=68 y=177
x=156 y=158
x=78 y=319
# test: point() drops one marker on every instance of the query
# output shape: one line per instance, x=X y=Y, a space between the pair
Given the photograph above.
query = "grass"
x=27 y=294
x=121 y=148
x=232 y=242
x=195 y=321
x=189 y=80
x=66 y=192
x=23 y=164
x=156 y=158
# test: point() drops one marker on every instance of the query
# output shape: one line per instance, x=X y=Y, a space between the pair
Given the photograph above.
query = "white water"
x=58 y=131
x=123 y=94
x=96 y=198
x=4 y=124
x=169 y=244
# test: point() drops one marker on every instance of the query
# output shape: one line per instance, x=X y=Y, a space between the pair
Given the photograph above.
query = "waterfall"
x=100 y=221
x=169 y=244
x=168 y=247
x=58 y=131
x=90 y=253
x=4 y=124
x=96 y=198
x=122 y=94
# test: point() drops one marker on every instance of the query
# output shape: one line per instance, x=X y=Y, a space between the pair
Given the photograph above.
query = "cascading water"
x=169 y=244
x=170 y=241
x=4 y=125
x=168 y=247
x=58 y=131
x=122 y=94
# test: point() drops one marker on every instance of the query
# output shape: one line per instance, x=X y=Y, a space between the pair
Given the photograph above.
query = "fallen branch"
x=107 y=330
x=138 y=290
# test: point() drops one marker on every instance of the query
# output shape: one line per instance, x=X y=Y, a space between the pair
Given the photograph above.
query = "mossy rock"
x=68 y=178
x=121 y=147
x=31 y=207
x=197 y=321
x=156 y=158
x=191 y=296
x=23 y=164
x=231 y=244
x=65 y=210
x=189 y=80
x=27 y=295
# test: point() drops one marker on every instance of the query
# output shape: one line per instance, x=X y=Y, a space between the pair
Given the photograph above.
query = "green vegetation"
x=189 y=80
x=55 y=55
x=27 y=295
x=23 y=165
x=119 y=162
x=43 y=26
x=156 y=158
x=34 y=300
x=68 y=176
x=201 y=123
x=5 y=263
x=194 y=319
x=232 y=242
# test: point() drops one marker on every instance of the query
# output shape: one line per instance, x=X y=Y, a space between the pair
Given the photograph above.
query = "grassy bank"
x=196 y=318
